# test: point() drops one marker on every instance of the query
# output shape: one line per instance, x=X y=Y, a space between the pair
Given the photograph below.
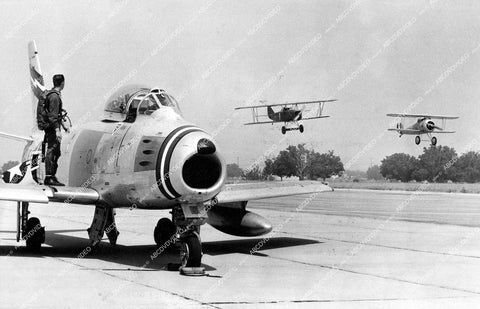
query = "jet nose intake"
x=205 y=146
x=189 y=164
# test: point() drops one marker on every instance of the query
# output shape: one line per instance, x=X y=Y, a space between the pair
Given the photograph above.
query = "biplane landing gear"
x=284 y=130
x=164 y=231
x=417 y=140
x=434 y=140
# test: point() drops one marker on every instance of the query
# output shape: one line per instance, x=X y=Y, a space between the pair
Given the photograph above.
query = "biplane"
x=423 y=125
x=290 y=114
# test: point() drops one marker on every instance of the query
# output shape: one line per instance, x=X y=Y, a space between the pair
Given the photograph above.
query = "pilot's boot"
x=52 y=181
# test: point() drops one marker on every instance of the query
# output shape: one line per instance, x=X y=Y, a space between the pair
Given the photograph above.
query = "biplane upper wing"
x=286 y=104
x=422 y=116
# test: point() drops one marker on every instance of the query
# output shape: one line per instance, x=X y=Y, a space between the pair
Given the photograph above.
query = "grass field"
x=399 y=186
x=433 y=187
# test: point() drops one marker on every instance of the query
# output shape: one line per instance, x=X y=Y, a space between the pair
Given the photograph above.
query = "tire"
x=34 y=235
x=434 y=141
x=417 y=140
x=191 y=251
x=284 y=130
x=164 y=231
x=301 y=128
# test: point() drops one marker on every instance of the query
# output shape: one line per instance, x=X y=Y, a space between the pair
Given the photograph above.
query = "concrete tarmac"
x=344 y=249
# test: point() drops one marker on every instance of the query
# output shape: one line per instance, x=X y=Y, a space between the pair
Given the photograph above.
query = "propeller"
x=431 y=125
x=299 y=114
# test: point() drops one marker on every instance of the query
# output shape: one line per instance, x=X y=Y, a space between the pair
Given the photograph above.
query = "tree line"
x=293 y=161
x=435 y=164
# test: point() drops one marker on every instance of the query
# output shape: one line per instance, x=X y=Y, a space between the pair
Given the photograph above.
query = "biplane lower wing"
x=260 y=122
x=410 y=131
x=316 y=117
x=266 y=122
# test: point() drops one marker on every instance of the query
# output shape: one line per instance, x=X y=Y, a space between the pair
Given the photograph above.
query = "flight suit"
x=53 y=106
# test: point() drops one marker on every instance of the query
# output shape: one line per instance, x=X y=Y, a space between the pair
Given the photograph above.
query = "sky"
x=375 y=57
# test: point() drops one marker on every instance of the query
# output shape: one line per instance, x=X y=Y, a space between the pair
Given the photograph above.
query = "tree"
x=468 y=167
x=9 y=165
x=233 y=170
x=254 y=173
x=324 y=165
x=284 y=165
x=439 y=163
x=299 y=156
x=268 y=170
x=398 y=166
x=373 y=172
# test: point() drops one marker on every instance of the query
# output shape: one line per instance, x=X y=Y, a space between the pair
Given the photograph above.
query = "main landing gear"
x=29 y=229
x=299 y=128
x=433 y=140
x=103 y=222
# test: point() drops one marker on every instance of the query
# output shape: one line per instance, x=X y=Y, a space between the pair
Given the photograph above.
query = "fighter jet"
x=141 y=153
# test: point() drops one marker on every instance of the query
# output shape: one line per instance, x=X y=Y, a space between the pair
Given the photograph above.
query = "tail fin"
x=37 y=83
x=271 y=113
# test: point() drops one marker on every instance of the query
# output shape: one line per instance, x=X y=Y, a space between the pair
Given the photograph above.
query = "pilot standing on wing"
x=53 y=135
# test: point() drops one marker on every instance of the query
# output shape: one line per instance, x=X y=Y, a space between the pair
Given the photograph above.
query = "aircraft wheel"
x=417 y=140
x=35 y=234
x=434 y=140
x=284 y=130
x=164 y=231
x=191 y=251
x=301 y=128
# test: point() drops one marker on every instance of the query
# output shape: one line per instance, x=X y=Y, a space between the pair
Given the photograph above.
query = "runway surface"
x=344 y=249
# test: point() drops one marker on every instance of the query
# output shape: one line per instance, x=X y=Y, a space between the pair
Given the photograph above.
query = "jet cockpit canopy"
x=129 y=101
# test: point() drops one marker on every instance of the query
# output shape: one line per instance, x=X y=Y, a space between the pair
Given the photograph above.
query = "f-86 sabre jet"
x=142 y=153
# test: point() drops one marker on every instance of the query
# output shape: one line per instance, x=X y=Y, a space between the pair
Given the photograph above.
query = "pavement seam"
x=334 y=300
x=377 y=276
x=131 y=281
x=384 y=246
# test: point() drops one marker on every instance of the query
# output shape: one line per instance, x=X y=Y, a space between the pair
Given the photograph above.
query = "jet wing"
x=45 y=194
x=256 y=191
x=422 y=116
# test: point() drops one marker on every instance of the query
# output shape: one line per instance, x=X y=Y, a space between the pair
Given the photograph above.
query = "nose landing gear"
x=184 y=228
